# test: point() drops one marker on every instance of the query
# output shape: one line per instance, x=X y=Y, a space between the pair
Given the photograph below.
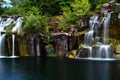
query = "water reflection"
x=9 y=70
x=98 y=71
x=58 y=69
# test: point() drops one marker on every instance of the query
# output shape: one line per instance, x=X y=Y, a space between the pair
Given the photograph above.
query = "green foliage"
x=37 y=25
x=14 y=10
x=17 y=2
x=97 y=9
x=34 y=24
x=50 y=50
x=62 y=25
x=9 y=28
x=114 y=41
x=1 y=10
x=75 y=9
x=29 y=9
x=80 y=7
x=23 y=7
x=96 y=4
x=47 y=6
x=69 y=15
x=47 y=38
x=115 y=7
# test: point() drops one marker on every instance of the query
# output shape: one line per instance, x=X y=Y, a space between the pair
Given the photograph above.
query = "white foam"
x=9 y=56
x=98 y=59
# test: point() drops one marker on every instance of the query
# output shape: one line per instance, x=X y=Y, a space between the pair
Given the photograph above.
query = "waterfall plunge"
x=16 y=29
x=13 y=45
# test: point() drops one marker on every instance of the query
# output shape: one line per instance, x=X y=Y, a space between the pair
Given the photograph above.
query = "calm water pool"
x=31 y=68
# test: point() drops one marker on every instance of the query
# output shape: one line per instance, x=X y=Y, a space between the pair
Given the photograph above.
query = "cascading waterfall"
x=97 y=46
x=17 y=29
x=4 y=23
x=88 y=38
x=105 y=50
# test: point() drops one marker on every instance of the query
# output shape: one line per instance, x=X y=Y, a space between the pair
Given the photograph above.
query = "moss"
x=9 y=28
x=114 y=41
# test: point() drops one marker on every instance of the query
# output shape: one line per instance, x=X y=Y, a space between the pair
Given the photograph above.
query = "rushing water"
x=36 y=68
x=96 y=40
x=4 y=23
x=88 y=38
x=13 y=45
x=17 y=27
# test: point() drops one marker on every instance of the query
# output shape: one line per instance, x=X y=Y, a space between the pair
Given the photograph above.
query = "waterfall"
x=92 y=22
x=88 y=38
x=6 y=3
x=95 y=45
x=106 y=25
x=89 y=51
x=13 y=45
x=16 y=29
x=2 y=43
x=103 y=51
x=18 y=25
x=4 y=23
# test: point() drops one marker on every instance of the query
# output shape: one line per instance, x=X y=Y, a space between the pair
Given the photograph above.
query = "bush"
x=34 y=24
x=50 y=50
x=80 y=7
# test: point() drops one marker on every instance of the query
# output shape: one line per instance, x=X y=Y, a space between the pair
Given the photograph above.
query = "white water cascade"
x=96 y=42
x=17 y=27
x=13 y=45
x=4 y=23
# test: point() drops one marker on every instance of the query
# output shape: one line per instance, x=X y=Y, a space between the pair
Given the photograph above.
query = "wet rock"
x=60 y=43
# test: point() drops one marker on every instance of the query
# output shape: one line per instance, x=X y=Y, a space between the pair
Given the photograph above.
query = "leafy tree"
x=80 y=7
x=34 y=24
x=47 y=6
x=17 y=2
x=96 y=4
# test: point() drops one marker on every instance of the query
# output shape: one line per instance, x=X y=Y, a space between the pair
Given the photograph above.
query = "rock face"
x=24 y=46
x=105 y=7
x=33 y=45
x=61 y=43
x=115 y=26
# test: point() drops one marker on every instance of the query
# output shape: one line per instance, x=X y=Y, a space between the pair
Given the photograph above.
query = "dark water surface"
x=30 y=68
